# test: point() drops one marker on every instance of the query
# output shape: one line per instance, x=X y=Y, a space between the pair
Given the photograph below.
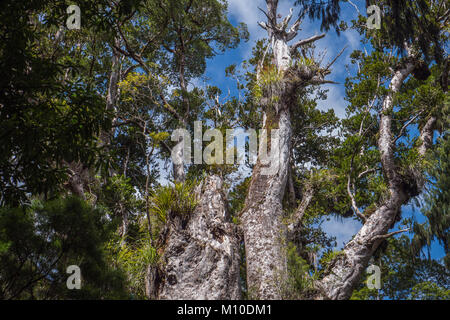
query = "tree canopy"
x=92 y=176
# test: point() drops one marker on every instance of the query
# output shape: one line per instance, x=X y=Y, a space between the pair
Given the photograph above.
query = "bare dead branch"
x=355 y=6
x=286 y=20
x=295 y=27
x=445 y=16
x=263 y=25
x=265 y=13
x=317 y=80
x=306 y=41
x=335 y=59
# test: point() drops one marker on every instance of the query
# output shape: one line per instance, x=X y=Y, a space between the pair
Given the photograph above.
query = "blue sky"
x=247 y=11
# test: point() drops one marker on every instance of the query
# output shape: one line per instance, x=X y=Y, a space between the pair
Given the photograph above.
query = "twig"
x=319 y=81
x=335 y=59
x=362 y=174
x=386 y=236
x=402 y=130
x=352 y=198
x=265 y=13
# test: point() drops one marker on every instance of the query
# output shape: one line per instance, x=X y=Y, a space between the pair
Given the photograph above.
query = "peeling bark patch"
x=218 y=234
x=172 y=279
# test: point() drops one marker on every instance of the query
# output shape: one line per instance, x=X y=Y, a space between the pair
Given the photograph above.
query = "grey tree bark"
x=179 y=173
x=346 y=270
x=200 y=253
x=264 y=232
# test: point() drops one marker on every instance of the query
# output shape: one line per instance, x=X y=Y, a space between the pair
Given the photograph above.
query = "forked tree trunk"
x=346 y=271
x=201 y=257
x=199 y=252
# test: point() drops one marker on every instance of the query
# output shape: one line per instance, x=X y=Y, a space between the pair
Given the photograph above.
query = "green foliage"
x=325 y=11
x=300 y=281
x=41 y=240
x=359 y=154
x=329 y=257
x=412 y=22
x=269 y=76
x=437 y=209
x=236 y=197
x=429 y=291
x=179 y=200
x=404 y=276
x=118 y=193
x=53 y=92
x=134 y=258
x=51 y=112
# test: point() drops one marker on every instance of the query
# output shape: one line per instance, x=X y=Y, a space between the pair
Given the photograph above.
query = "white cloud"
x=247 y=12
x=342 y=229
x=335 y=100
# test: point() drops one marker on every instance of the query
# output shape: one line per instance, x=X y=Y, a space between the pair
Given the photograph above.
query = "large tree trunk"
x=200 y=253
x=264 y=232
x=344 y=274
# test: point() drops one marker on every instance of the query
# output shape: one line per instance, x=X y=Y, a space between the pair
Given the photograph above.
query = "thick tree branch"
x=347 y=269
x=300 y=212
x=385 y=142
x=352 y=198
x=426 y=136
x=306 y=41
